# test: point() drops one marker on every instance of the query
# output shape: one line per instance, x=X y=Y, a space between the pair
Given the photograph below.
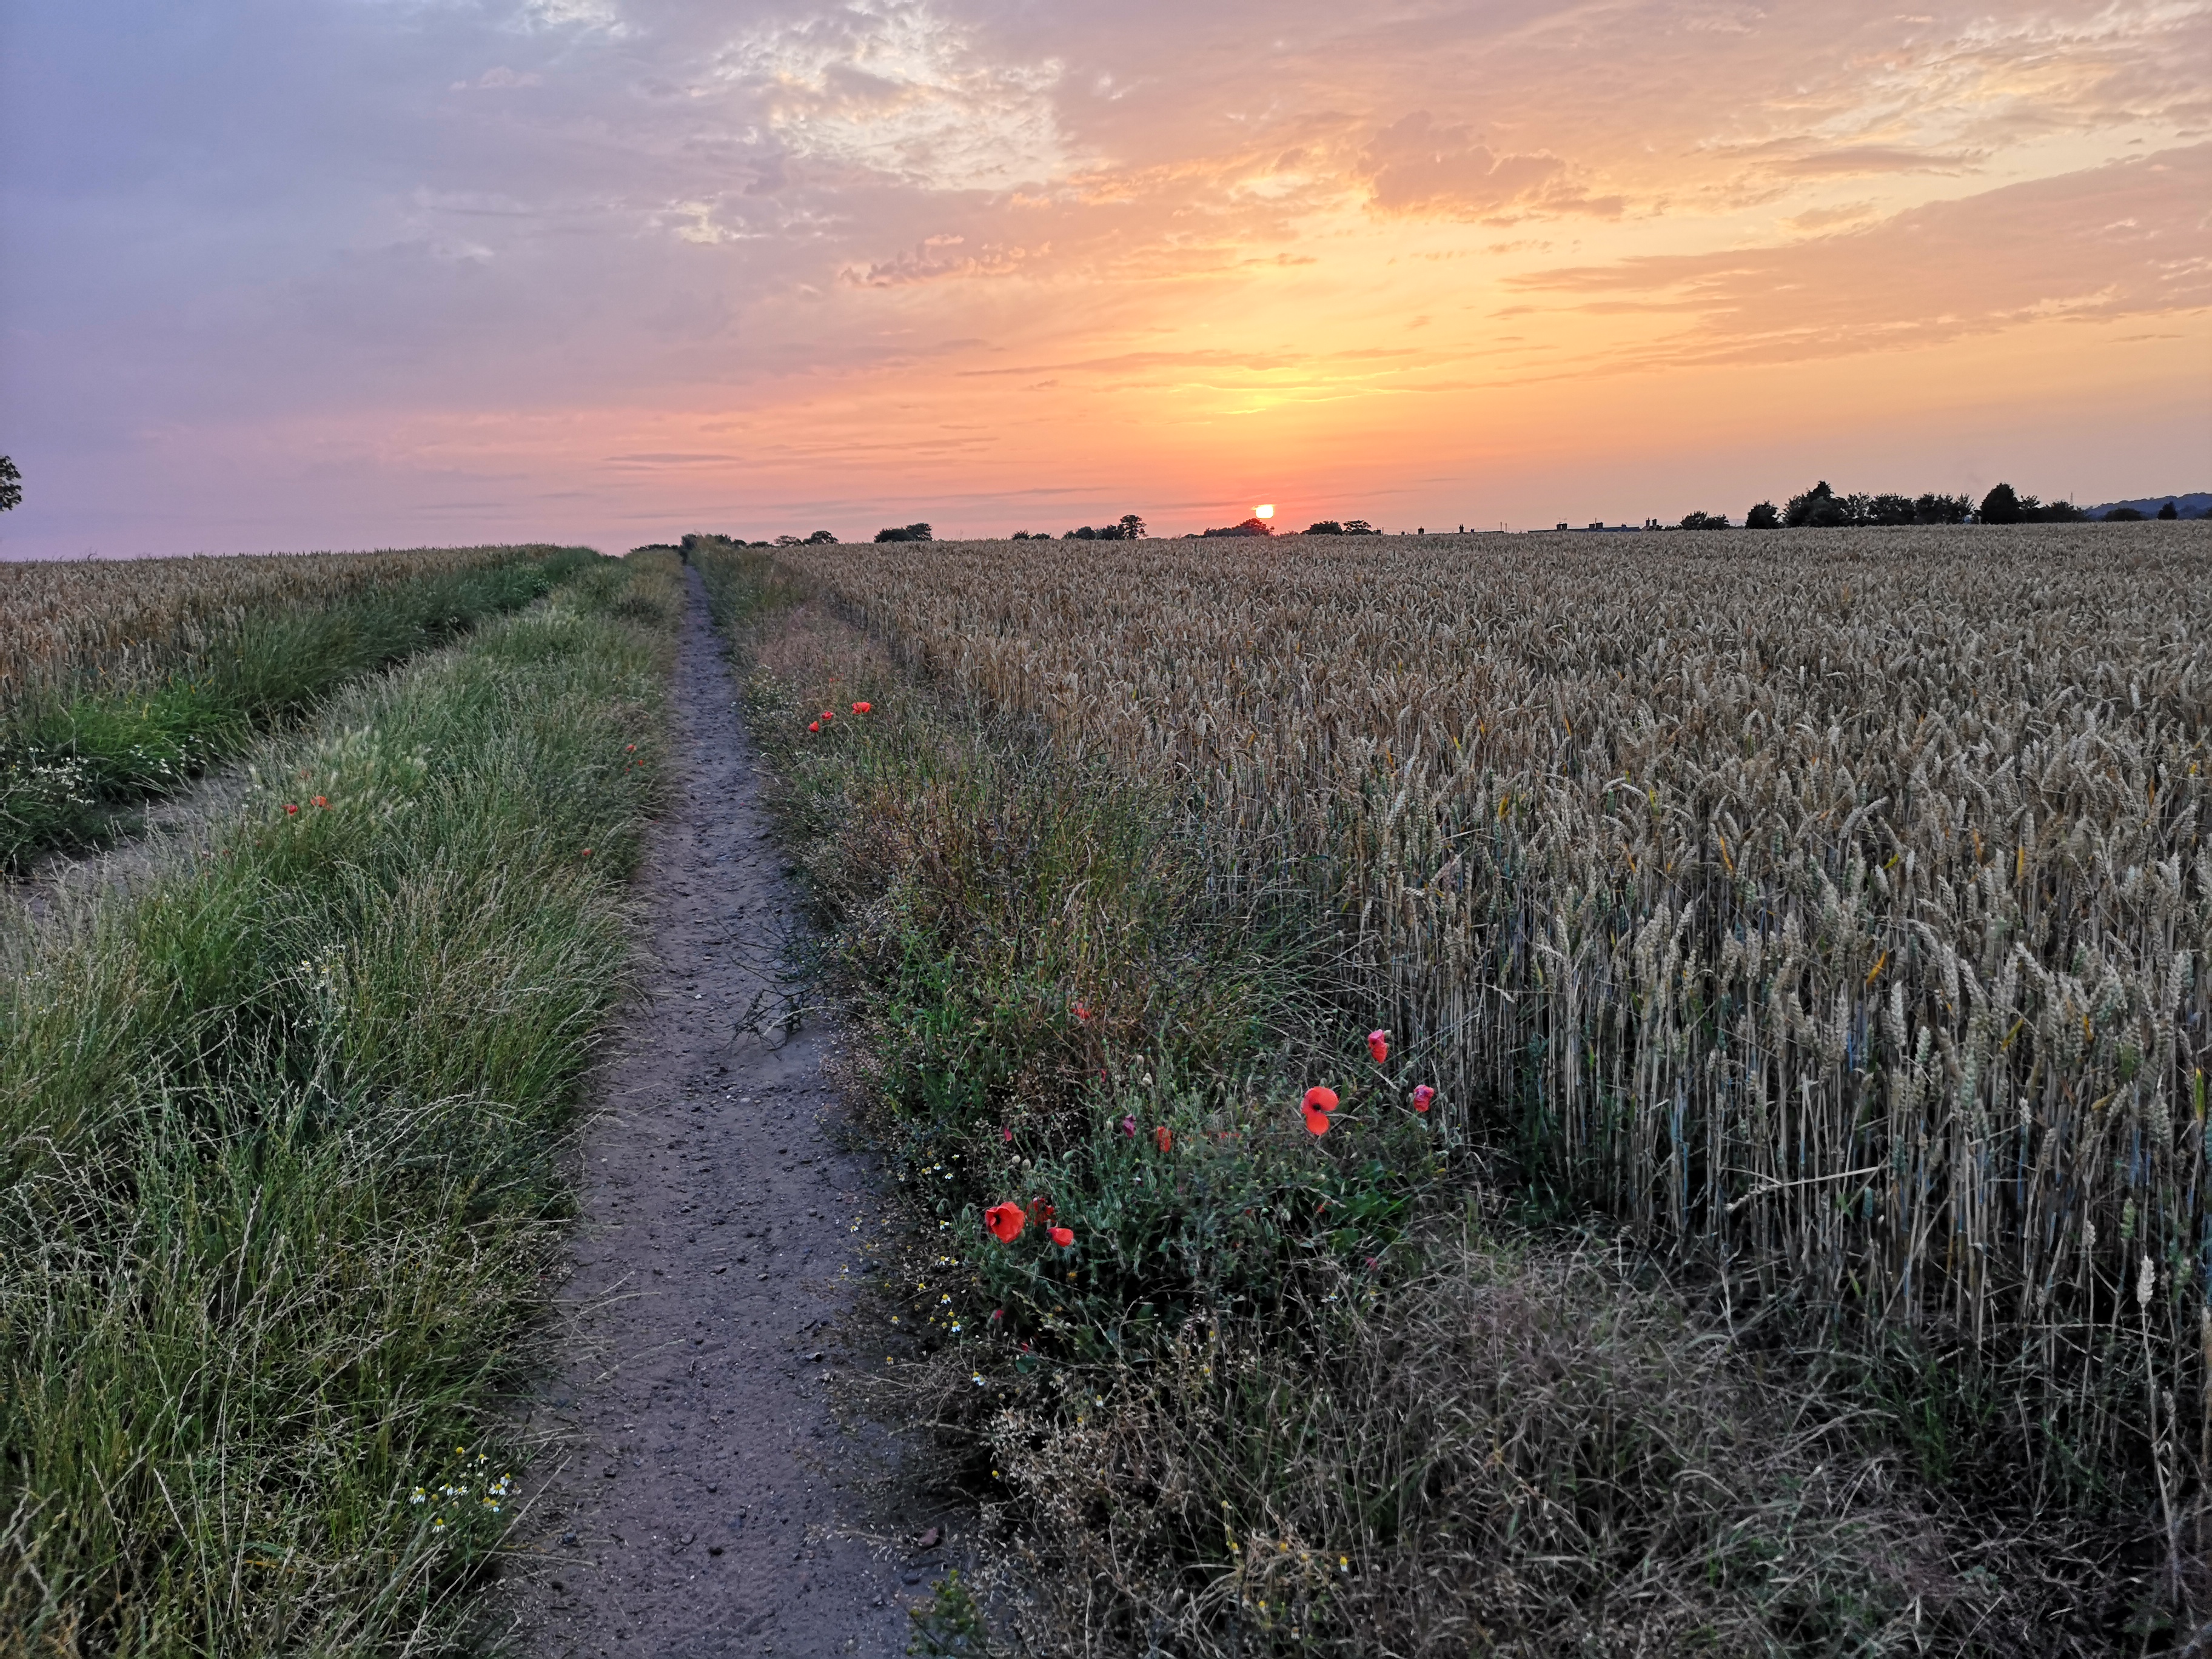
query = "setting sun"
x=1267 y=511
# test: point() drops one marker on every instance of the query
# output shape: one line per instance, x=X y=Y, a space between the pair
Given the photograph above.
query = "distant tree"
x=2060 y=513
x=912 y=532
x=1799 y=513
x=1941 y=509
x=2166 y=512
x=2000 y=506
x=1133 y=527
x=1249 y=527
x=823 y=538
x=11 y=485
x=1359 y=528
x=1891 y=509
x=1762 y=517
x=2125 y=515
x=1325 y=528
x=1704 y=521
x=1086 y=533
x=789 y=541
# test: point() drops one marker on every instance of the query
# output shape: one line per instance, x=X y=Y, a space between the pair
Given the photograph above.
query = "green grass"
x=71 y=764
x=1290 y=1394
x=282 y=1175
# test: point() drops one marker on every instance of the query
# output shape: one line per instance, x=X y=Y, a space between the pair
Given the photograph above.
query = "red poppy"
x=997 y=1313
x=1379 y=1044
x=1062 y=1237
x=319 y=800
x=864 y=708
x=1422 y=1096
x=1317 y=1105
x=814 y=726
x=1005 y=1222
x=1041 y=1215
x=587 y=852
x=1082 y=1011
x=290 y=811
x=632 y=749
x=1163 y=1137
x=1007 y=1135
x=829 y=713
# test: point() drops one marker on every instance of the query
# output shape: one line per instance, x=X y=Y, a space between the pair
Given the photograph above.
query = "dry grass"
x=1833 y=909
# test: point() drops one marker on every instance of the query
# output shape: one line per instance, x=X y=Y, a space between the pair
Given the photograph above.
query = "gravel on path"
x=706 y=1502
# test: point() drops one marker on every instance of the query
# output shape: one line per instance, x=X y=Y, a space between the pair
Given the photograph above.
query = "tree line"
x=1821 y=509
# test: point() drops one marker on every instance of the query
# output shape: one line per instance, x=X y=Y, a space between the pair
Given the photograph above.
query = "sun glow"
x=1266 y=510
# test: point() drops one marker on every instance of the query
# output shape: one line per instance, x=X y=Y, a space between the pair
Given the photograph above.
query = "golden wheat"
x=1834 y=906
x=65 y=624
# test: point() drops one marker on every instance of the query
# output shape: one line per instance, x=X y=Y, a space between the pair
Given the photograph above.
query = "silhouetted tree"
x=2125 y=515
x=1763 y=517
x=1941 y=509
x=1704 y=521
x=1799 y=513
x=912 y=532
x=2168 y=512
x=1359 y=528
x=2000 y=506
x=11 y=485
x=823 y=538
x=1133 y=527
x=1889 y=509
x=1249 y=527
x=1325 y=528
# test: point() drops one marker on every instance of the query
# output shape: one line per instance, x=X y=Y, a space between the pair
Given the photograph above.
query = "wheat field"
x=1832 y=908
x=66 y=625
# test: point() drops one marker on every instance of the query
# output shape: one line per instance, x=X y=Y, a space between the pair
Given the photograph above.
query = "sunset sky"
x=345 y=273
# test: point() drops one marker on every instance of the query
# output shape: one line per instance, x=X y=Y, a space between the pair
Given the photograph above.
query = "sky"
x=289 y=274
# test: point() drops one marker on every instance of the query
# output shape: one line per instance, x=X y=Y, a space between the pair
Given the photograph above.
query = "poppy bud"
x=587 y=852
x=1422 y=1096
x=814 y=726
x=290 y=811
x=1063 y=1237
x=1379 y=1044
x=1005 y=1222
x=1165 y=1137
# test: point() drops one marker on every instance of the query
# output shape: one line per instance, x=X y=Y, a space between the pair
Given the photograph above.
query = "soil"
x=702 y=1499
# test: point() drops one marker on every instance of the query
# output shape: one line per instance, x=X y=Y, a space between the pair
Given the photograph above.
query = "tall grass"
x=1286 y=1394
x=168 y=666
x=281 y=1180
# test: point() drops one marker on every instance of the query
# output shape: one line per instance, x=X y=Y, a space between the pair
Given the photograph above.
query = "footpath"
x=708 y=1504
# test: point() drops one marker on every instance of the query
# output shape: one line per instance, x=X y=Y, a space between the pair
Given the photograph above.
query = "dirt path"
x=708 y=1506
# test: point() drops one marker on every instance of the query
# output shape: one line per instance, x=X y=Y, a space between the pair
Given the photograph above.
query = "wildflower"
x=319 y=800
x=829 y=713
x=1422 y=1096
x=976 y=1377
x=1063 y=1237
x=1317 y=1105
x=1379 y=1044
x=1128 y=1123
x=1082 y=1011
x=587 y=852
x=1006 y=1135
x=814 y=726
x=290 y=811
x=631 y=750
x=1005 y=1222
x=864 y=708
x=1165 y=1137
x=997 y=1313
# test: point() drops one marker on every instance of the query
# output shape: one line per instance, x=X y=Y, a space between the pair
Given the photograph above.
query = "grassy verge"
x=72 y=760
x=281 y=1176
x=1286 y=1393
